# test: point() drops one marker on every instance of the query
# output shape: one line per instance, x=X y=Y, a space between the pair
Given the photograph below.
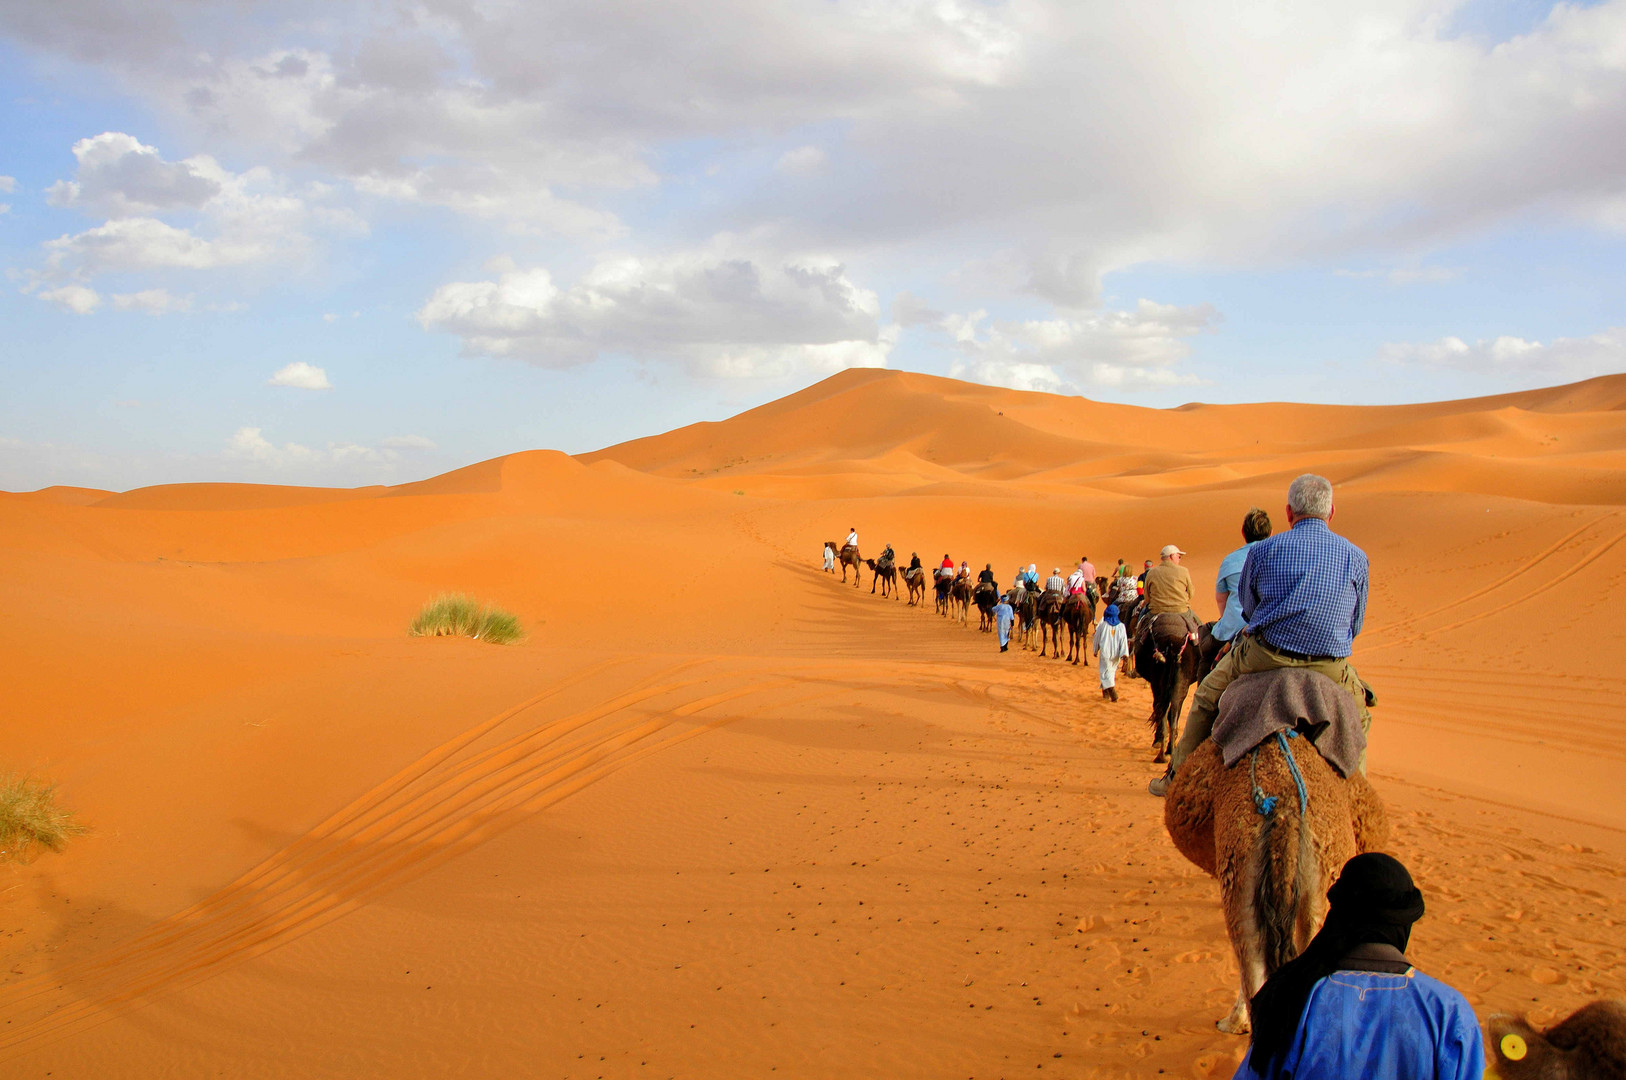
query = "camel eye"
x=1513 y=1047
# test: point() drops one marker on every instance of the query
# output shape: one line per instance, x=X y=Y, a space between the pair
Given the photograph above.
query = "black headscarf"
x=1373 y=901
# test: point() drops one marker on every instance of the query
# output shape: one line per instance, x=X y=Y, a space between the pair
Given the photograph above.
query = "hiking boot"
x=1160 y=786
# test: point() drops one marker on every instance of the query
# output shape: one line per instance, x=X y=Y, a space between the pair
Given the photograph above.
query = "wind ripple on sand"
x=451 y=799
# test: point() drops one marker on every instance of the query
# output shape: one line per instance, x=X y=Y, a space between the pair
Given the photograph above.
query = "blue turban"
x=1112 y=615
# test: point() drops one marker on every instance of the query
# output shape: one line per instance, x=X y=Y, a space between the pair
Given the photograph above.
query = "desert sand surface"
x=720 y=815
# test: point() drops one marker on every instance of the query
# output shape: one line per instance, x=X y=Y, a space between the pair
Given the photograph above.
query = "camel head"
x=1590 y=1045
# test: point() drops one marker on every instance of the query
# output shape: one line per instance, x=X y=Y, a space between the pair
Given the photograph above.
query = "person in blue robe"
x=1352 y=1005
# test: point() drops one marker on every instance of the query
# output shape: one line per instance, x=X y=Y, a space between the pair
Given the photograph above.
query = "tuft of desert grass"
x=460 y=615
x=31 y=819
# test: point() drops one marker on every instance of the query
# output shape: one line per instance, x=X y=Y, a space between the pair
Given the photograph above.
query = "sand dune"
x=720 y=815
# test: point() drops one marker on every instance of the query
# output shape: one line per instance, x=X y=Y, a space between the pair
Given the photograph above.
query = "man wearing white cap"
x=1169 y=590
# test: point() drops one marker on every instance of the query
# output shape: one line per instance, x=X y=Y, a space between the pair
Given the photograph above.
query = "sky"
x=360 y=243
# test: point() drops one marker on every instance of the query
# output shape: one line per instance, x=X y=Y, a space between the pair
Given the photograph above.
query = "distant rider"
x=852 y=539
x=986 y=577
x=1055 y=583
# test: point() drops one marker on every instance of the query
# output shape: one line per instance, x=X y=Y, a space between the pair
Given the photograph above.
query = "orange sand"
x=719 y=816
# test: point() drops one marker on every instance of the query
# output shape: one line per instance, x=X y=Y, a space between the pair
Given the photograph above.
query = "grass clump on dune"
x=458 y=615
x=31 y=818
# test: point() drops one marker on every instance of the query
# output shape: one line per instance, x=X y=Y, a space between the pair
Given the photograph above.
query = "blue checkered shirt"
x=1304 y=590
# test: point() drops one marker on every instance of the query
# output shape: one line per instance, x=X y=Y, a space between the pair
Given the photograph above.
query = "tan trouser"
x=1249 y=655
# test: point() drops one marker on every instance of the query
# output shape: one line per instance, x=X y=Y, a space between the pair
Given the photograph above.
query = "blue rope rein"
x=1266 y=804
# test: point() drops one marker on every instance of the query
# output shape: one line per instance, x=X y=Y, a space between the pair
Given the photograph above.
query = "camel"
x=1274 y=857
x=1078 y=615
x=1589 y=1045
x=848 y=556
x=960 y=599
x=942 y=584
x=1050 y=622
x=884 y=574
x=915 y=580
x=1026 y=603
x=985 y=597
x=1168 y=661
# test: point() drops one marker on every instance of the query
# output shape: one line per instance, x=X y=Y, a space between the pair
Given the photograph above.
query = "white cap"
x=1170 y=549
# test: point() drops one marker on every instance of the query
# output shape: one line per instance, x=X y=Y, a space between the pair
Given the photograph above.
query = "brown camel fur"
x=849 y=557
x=942 y=585
x=960 y=599
x=1590 y=1045
x=1027 y=616
x=1274 y=869
x=1078 y=615
x=986 y=596
x=1169 y=664
x=915 y=580
x=1050 y=622
x=884 y=574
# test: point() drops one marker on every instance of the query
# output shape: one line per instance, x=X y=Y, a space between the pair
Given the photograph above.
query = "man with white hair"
x=1303 y=594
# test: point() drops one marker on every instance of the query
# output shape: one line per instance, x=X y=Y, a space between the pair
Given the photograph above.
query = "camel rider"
x=1255 y=527
x=1091 y=589
x=914 y=560
x=986 y=577
x=888 y=557
x=1033 y=577
x=1020 y=585
x=1303 y=595
x=946 y=569
x=1075 y=581
x=1140 y=582
x=1055 y=583
x=1124 y=590
x=1169 y=590
x=852 y=539
x=964 y=573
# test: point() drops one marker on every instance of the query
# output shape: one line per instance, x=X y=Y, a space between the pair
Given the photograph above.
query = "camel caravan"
x=1265 y=790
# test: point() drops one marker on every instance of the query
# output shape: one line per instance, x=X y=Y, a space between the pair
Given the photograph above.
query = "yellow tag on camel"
x=1513 y=1047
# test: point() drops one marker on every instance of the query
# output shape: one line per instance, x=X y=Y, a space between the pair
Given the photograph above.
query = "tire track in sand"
x=450 y=800
x=1524 y=568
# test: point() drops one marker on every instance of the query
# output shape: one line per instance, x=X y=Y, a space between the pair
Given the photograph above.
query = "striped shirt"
x=1304 y=590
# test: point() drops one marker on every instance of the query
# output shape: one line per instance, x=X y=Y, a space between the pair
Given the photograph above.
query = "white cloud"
x=300 y=376
x=1300 y=128
x=152 y=301
x=408 y=442
x=228 y=219
x=1602 y=353
x=79 y=299
x=1123 y=350
x=249 y=444
x=803 y=159
x=717 y=310
x=8 y=184
x=120 y=177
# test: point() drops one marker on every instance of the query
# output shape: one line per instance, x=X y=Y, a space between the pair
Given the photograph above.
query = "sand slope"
x=720 y=815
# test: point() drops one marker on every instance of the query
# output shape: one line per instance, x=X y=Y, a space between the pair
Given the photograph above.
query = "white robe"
x=1111 y=645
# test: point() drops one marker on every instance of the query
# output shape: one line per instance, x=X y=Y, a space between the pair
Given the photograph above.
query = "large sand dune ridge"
x=720 y=815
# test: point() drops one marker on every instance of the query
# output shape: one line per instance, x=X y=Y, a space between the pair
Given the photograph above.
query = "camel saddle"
x=1256 y=706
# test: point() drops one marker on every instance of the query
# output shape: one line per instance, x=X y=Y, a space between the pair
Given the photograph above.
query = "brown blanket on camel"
x=1255 y=707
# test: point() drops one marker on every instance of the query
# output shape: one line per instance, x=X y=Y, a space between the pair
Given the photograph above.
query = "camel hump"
x=1257 y=706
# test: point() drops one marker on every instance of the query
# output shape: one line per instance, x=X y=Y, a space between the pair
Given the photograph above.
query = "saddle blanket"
x=1254 y=707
